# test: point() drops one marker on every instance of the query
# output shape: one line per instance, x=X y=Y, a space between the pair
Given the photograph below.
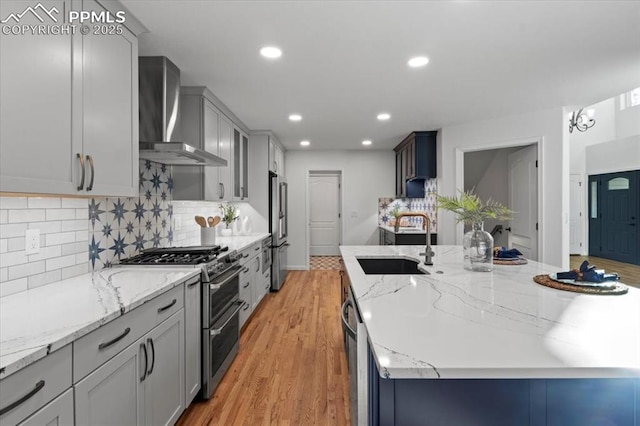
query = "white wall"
x=549 y=127
x=366 y=176
x=614 y=156
x=493 y=184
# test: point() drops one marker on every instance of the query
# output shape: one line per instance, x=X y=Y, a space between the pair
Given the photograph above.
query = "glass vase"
x=478 y=249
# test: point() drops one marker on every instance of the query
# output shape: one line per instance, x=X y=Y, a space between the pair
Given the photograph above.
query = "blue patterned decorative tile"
x=122 y=227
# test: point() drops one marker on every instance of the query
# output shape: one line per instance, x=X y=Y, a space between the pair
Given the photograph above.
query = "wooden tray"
x=548 y=282
x=518 y=261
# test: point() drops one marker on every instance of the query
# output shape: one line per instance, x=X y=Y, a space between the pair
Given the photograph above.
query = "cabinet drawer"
x=245 y=282
x=246 y=310
x=57 y=412
x=250 y=252
x=44 y=380
x=99 y=346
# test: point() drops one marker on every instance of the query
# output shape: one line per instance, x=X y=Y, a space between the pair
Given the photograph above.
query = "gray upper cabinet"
x=240 y=165
x=206 y=127
x=276 y=157
x=68 y=109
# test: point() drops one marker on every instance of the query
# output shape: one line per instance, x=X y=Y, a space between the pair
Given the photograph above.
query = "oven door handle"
x=215 y=285
x=216 y=331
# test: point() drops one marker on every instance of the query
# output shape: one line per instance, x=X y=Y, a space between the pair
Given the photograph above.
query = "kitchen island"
x=460 y=347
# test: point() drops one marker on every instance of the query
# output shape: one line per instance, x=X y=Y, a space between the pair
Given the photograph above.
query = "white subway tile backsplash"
x=12 y=230
x=60 y=238
x=15 y=244
x=43 y=279
x=74 y=271
x=4 y=274
x=14 y=286
x=82 y=214
x=12 y=258
x=60 y=262
x=43 y=203
x=47 y=227
x=73 y=248
x=4 y=246
x=81 y=258
x=61 y=214
x=46 y=253
x=75 y=203
x=26 y=215
x=20 y=271
x=13 y=202
x=75 y=225
x=82 y=236
x=4 y=216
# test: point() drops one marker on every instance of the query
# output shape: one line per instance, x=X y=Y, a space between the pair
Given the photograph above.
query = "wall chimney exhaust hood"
x=159 y=85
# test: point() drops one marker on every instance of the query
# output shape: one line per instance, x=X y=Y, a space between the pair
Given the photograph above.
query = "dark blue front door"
x=614 y=207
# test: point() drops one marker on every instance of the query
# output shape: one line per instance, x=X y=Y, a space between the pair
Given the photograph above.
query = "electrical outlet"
x=177 y=223
x=32 y=241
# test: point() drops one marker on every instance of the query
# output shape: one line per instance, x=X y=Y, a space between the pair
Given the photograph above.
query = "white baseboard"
x=296 y=268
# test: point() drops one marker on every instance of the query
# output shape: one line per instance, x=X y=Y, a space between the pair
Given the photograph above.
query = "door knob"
x=508 y=229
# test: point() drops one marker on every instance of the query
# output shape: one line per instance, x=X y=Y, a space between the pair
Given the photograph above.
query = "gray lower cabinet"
x=114 y=393
x=58 y=412
x=192 y=335
x=142 y=385
x=25 y=393
x=164 y=385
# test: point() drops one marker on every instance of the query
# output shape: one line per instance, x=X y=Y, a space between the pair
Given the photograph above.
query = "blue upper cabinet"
x=415 y=162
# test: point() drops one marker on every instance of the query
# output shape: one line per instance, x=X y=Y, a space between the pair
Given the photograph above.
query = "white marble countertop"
x=499 y=324
x=39 y=321
x=403 y=229
x=239 y=242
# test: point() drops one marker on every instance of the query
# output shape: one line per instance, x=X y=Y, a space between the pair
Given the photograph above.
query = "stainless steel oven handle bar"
x=217 y=284
x=217 y=331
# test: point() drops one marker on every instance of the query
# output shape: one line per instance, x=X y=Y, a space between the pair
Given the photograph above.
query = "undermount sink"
x=389 y=266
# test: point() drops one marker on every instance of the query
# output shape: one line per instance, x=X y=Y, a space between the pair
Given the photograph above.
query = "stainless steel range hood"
x=160 y=139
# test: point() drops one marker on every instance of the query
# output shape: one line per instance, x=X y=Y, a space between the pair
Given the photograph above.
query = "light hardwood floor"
x=629 y=274
x=291 y=368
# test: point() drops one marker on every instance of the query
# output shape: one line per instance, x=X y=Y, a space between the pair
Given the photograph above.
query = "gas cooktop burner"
x=176 y=255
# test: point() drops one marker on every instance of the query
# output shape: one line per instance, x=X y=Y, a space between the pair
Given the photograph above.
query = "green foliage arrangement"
x=229 y=213
x=469 y=208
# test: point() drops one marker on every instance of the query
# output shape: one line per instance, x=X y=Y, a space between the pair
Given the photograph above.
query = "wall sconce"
x=581 y=120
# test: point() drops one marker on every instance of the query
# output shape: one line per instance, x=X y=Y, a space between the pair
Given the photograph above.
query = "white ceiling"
x=344 y=62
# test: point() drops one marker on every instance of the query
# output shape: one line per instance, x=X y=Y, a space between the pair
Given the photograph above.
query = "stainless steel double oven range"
x=221 y=302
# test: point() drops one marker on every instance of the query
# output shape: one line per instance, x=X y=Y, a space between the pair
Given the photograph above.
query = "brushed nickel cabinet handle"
x=113 y=341
x=93 y=174
x=22 y=400
x=221 y=190
x=81 y=186
x=247 y=284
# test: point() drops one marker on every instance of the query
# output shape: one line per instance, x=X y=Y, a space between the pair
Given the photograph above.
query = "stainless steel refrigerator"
x=278 y=228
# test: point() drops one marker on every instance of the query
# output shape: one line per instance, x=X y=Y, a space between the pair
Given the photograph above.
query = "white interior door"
x=324 y=215
x=523 y=200
x=576 y=228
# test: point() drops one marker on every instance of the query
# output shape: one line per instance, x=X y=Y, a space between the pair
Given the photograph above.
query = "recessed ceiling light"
x=418 y=61
x=383 y=116
x=305 y=143
x=271 y=52
x=295 y=117
x=366 y=142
